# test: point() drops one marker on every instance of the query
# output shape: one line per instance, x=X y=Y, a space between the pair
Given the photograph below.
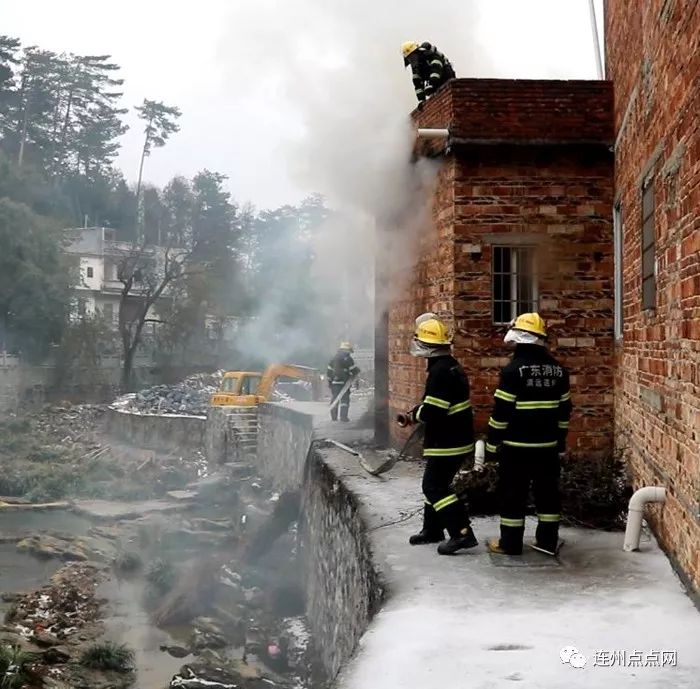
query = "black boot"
x=465 y=539
x=431 y=531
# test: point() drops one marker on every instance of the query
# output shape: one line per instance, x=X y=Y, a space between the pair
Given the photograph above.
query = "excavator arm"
x=276 y=371
x=239 y=388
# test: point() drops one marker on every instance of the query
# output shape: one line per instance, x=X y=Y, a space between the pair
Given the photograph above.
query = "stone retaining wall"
x=343 y=587
x=284 y=440
x=157 y=432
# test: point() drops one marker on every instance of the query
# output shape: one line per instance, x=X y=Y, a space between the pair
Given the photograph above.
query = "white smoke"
x=336 y=69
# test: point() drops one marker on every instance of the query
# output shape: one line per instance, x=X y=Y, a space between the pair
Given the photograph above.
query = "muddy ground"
x=197 y=588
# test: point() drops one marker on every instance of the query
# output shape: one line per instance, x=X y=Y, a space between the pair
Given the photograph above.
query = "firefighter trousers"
x=518 y=469
x=344 y=405
x=443 y=510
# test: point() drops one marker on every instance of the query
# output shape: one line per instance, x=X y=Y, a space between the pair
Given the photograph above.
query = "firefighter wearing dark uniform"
x=341 y=369
x=527 y=435
x=430 y=68
x=446 y=414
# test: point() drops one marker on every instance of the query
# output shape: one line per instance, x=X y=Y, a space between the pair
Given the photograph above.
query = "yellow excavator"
x=250 y=388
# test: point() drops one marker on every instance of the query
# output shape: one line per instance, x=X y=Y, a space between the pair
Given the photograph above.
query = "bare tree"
x=147 y=274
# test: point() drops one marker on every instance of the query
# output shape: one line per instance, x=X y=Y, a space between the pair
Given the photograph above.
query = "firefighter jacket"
x=431 y=69
x=446 y=410
x=341 y=368
x=532 y=404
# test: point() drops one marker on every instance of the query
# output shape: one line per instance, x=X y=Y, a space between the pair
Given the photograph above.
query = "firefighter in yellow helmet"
x=430 y=68
x=449 y=438
x=527 y=436
x=341 y=369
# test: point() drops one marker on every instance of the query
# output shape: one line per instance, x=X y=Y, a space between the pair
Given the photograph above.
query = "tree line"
x=61 y=119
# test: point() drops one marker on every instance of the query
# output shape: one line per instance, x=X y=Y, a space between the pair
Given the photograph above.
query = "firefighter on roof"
x=527 y=436
x=430 y=68
x=449 y=438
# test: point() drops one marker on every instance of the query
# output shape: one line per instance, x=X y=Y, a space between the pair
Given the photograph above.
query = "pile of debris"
x=190 y=396
x=53 y=613
x=68 y=424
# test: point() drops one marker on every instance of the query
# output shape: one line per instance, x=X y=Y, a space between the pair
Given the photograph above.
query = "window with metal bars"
x=648 y=247
x=514 y=282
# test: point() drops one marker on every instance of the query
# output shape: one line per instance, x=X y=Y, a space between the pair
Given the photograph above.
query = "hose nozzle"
x=404 y=420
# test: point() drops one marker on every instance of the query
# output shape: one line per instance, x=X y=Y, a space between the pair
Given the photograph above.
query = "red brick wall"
x=523 y=110
x=653 y=57
x=557 y=197
x=559 y=201
x=426 y=286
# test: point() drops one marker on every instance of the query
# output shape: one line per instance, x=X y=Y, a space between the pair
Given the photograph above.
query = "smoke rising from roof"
x=337 y=70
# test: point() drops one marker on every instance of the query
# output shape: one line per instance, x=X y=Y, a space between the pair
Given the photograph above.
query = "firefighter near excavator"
x=429 y=67
x=527 y=437
x=446 y=416
x=341 y=374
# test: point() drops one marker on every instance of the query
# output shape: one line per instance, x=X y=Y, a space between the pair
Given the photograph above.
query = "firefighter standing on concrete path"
x=527 y=436
x=449 y=438
x=430 y=68
x=341 y=369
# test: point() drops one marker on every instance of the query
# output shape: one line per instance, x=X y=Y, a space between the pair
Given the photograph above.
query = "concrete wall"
x=653 y=58
x=343 y=587
x=284 y=441
x=156 y=432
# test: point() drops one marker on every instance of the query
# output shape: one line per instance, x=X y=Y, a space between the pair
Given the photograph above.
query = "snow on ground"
x=481 y=621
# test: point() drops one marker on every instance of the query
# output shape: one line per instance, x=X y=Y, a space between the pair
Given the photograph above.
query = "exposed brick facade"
x=653 y=58
x=527 y=163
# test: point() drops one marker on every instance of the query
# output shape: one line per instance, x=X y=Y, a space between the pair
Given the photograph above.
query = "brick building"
x=522 y=220
x=653 y=59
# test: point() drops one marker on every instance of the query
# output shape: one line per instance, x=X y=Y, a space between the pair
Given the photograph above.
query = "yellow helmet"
x=409 y=47
x=346 y=346
x=434 y=332
x=531 y=323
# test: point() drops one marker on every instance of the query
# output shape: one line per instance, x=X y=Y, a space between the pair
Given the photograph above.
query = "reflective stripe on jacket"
x=446 y=410
x=532 y=404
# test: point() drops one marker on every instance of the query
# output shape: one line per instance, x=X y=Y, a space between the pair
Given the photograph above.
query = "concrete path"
x=479 y=621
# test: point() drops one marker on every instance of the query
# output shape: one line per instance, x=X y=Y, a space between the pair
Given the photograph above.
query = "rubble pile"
x=189 y=396
x=53 y=613
x=69 y=424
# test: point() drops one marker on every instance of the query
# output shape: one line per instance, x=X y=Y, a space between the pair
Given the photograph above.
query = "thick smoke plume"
x=335 y=67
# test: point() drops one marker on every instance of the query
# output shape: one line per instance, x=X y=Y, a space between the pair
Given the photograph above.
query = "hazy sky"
x=240 y=70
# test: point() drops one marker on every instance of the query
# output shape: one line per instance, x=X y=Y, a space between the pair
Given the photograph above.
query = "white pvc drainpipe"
x=641 y=497
x=479 y=455
x=433 y=133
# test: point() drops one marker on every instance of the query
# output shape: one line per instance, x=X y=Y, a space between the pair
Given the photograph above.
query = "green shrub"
x=594 y=492
x=161 y=575
x=128 y=562
x=13 y=666
x=108 y=655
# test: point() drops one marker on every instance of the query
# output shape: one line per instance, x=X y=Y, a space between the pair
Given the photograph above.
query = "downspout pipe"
x=479 y=455
x=641 y=498
x=433 y=133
